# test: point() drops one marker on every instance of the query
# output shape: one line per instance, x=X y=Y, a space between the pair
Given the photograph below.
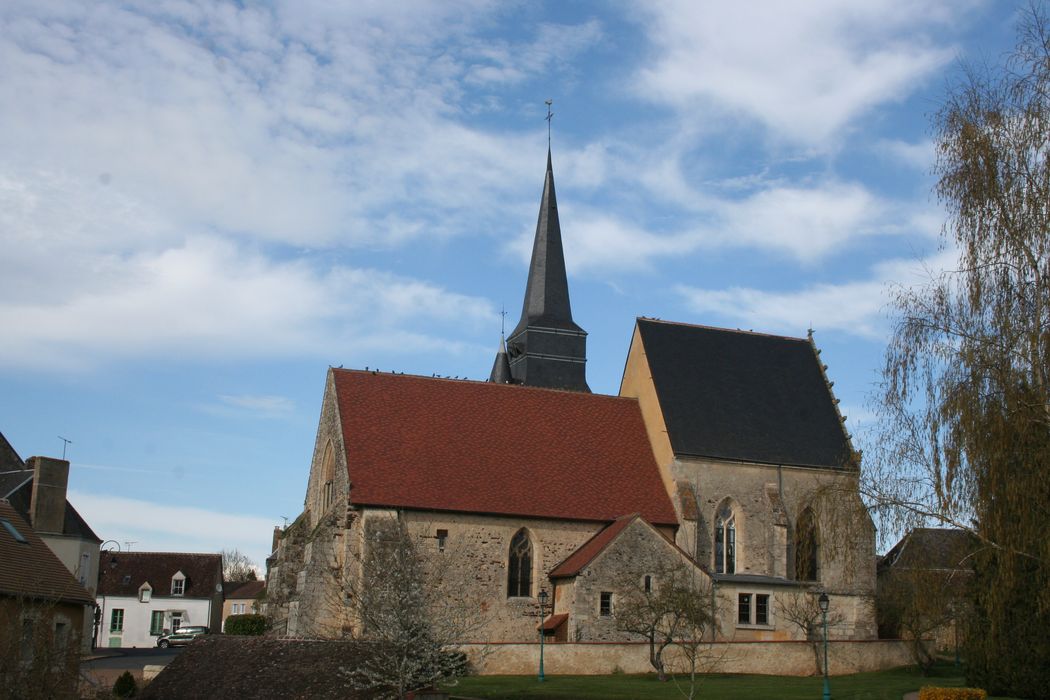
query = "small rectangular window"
x=156 y=623
x=178 y=585
x=126 y=580
x=743 y=616
x=605 y=606
x=761 y=609
x=647 y=583
x=116 y=620
x=442 y=538
x=145 y=594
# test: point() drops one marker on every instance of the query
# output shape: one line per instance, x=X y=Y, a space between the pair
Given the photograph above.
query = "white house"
x=143 y=594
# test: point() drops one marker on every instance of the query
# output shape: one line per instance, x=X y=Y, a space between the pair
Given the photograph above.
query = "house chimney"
x=277 y=534
x=48 y=507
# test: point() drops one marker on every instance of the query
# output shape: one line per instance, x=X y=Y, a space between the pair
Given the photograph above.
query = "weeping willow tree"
x=965 y=403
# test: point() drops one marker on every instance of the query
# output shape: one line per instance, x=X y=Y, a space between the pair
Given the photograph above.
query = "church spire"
x=500 y=373
x=547 y=348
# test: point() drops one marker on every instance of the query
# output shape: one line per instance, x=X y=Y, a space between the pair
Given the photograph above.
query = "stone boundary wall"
x=789 y=658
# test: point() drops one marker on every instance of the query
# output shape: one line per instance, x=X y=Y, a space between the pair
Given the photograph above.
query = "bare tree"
x=39 y=657
x=916 y=603
x=402 y=601
x=801 y=608
x=238 y=567
x=664 y=603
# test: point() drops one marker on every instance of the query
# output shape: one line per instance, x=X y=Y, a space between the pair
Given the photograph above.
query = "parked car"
x=181 y=637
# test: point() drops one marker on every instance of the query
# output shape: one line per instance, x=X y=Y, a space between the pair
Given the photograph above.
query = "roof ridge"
x=480 y=382
x=720 y=328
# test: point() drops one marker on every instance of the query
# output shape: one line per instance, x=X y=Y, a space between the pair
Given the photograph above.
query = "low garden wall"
x=776 y=658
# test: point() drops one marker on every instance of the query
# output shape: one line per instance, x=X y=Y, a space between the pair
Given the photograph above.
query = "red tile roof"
x=123 y=573
x=30 y=569
x=239 y=590
x=552 y=622
x=454 y=445
x=590 y=549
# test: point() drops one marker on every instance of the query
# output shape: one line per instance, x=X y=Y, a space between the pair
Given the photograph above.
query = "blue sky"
x=203 y=205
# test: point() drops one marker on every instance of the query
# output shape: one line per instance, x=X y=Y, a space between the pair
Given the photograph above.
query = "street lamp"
x=823 y=602
x=543 y=602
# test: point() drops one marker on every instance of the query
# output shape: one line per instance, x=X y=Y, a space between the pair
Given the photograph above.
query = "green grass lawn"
x=882 y=685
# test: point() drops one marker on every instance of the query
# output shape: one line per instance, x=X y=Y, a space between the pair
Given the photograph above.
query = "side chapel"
x=724 y=450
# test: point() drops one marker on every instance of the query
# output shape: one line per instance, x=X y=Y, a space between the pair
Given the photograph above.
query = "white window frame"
x=178 y=585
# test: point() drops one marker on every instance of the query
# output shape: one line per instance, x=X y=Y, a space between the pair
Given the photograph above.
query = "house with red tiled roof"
x=723 y=453
x=42 y=611
x=143 y=595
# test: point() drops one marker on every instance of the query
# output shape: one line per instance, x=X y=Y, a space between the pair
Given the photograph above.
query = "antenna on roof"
x=128 y=543
x=550 y=116
x=65 y=442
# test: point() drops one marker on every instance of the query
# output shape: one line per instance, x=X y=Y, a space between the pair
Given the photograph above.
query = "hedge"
x=930 y=692
x=245 y=624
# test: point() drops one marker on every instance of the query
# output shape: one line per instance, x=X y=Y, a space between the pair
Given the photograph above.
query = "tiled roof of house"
x=449 y=445
x=552 y=622
x=744 y=396
x=123 y=573
x=932 y=548
x=29 y=568
x=586 y=552
x=242 y=590
x=219 y=666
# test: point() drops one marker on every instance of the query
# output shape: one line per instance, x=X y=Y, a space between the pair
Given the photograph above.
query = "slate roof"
x=9 y=459
x=242 y=590
x=21 y=497
x=203 y=573
x=932 y=548
x=452 y=445
x=589 y=550
x=220 y=666
x=745 y=396
x=30 y=568
x=546 y=302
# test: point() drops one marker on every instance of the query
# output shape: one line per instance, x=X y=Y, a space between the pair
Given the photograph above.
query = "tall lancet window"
x=725 y=542
x=327 y=477
x=519 y=566
x=807 y=547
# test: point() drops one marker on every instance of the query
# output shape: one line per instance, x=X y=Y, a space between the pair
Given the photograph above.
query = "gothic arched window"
x=725 y=541
x=327 y=477
x=807 y=547
x=519 y=566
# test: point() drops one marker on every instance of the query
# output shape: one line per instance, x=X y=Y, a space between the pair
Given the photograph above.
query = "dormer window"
x=145 y=593
x=126 y=580
x=178 y=584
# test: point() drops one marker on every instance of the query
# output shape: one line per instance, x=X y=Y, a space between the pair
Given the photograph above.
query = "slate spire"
x=500 y=373
x=547 y=348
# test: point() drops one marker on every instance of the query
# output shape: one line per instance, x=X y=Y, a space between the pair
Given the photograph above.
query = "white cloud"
x=804 y=70
x=212 y=298
x=855 y=308
x=259 y=404
x=161 y=527
x=920 y=155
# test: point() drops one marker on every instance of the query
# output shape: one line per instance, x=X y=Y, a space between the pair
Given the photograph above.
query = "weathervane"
x=502 y=320
x=550 y=115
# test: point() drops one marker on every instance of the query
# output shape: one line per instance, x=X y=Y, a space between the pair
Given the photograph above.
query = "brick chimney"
x=48 y=507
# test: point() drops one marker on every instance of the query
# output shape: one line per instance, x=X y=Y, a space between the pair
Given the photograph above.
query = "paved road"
x=130 y=659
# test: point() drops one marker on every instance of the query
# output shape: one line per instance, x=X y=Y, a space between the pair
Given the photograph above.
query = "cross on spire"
x=550 y=116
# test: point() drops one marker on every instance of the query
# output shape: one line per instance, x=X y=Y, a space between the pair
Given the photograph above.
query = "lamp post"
x=100 y=610
x=543 y=602
x=823 y=602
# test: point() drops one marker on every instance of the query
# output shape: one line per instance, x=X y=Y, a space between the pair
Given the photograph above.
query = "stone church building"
x=724 y=452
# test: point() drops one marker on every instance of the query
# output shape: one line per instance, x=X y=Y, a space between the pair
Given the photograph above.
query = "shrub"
x=125 y=686
x=930 y=692
x=245 y=624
